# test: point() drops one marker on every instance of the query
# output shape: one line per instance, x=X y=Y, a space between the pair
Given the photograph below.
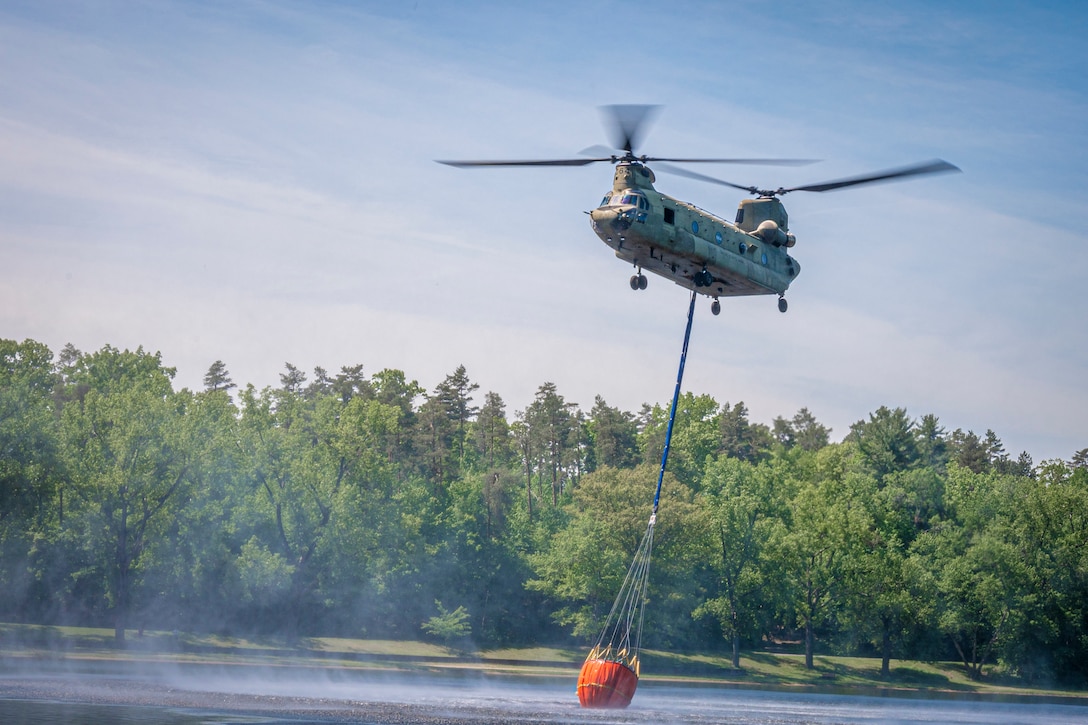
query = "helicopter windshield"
x=630 y=198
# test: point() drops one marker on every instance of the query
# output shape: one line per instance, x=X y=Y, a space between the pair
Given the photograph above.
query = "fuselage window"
x=695 y=227
x=670 y=216
x=607 y=198
x=718 y=237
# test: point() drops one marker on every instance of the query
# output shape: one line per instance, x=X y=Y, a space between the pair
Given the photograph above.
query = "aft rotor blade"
x=544 y=162
x=703 y=177
x=929 y=167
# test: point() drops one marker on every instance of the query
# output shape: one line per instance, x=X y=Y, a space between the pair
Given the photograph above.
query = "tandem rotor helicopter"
x=681 y=242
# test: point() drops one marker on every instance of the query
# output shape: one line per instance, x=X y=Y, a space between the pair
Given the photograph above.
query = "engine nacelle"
x=769 y=231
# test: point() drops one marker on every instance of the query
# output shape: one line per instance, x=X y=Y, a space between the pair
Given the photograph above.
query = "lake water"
x=171 y=695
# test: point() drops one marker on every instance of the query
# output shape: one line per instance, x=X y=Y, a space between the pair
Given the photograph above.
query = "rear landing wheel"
x=715 y=306
x=782 y=304
x=642 y=281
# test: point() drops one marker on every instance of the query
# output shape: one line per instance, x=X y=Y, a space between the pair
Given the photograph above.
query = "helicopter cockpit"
x=627 y=197
x=637 y=202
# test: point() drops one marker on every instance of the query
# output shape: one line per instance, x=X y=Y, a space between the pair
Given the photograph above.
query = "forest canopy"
x=366 y=505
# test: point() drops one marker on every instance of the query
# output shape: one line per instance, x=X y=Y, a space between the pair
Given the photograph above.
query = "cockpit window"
x=629 y=199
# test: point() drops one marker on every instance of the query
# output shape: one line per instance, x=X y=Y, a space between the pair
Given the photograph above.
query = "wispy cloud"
x=254 y=182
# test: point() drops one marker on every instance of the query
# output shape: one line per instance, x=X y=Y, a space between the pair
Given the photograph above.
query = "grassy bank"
x=20 y=644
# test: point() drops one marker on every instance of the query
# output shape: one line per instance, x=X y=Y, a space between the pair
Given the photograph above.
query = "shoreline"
x=40 y=667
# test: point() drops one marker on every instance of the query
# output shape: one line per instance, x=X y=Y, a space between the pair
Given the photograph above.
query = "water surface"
x=187 y=695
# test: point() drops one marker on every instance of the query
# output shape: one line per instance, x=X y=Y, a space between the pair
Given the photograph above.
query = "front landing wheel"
x=782 y=304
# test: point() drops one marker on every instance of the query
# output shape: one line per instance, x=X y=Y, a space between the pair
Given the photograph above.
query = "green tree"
x=392 y=387
x=350 y=382
x=265 y=576
x=886 y=441
x=31 y=491
x=885 y=594
x=296 y=470
x=932 y=442
x=802 y=430
x=491 y=432
x=435 y=443
x=194 y=584
x=613 y=436
x=450 y=627
x=217 y=377
x=969 y=451
x=1048 y=529
x=744 y=506
x=455 y=393
x=552 y=427
x=823 y=523
x=740 y=438
x=128 y=461
x=983 y=583
x=696 y=436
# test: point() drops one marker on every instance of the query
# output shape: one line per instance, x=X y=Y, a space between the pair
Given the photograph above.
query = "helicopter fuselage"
x=692 y=247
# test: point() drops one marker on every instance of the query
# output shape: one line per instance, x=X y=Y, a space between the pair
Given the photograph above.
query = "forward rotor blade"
x=703 y=177
x=752 y=162
x=599 y=150
x=545 y=162
x=929 y=167
x=627 y=123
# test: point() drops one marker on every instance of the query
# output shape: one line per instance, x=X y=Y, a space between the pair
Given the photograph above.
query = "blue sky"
x=255 y=182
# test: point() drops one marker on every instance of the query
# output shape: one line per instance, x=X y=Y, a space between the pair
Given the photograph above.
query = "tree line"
x=368 y=506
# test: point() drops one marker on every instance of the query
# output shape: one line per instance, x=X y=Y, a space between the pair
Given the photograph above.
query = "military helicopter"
x=681 y=242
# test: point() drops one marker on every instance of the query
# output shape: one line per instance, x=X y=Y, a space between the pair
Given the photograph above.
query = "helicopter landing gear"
x=715 y=306
x=703 y=279
x=782 y=304
x=639 y=281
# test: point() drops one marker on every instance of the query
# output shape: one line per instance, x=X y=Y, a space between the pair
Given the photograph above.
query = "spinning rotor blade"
x=627 y=122
x=935 y=166
x=703 y=177
x=752 y=162
x=929 y=167
x=613 y=159
x=546 y=162
x=599 y=150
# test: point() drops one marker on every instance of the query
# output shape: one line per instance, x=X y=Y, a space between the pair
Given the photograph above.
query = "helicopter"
x=692 y=247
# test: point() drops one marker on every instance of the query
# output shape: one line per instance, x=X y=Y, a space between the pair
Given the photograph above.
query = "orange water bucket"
x=606 y=683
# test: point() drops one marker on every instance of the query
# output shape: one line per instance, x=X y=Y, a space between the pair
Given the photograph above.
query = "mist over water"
x=189 y=694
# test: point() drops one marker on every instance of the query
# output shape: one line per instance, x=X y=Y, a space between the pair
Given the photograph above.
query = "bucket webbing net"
x=621 y=638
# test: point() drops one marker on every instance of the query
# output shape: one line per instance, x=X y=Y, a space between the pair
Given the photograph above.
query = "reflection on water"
x=217 y=696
